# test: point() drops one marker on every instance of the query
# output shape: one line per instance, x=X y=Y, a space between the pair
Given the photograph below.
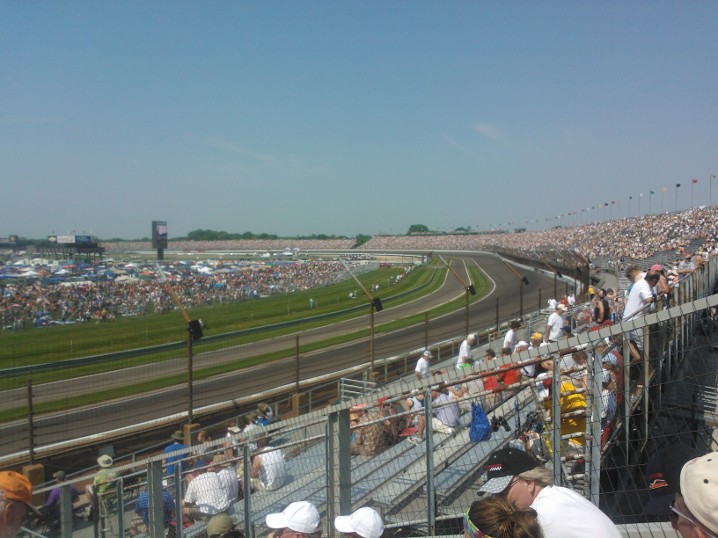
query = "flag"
x=678 y=185
x=630 y=197
x=663 y=189
x=694 y=181
x=653 y=192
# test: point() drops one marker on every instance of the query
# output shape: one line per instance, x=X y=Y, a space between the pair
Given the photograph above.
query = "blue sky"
x=298 y=118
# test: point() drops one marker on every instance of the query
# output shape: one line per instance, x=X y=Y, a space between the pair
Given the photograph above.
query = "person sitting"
x=367 y=439
x=222 y=526
x=445 y=410
x=227 y=476
x=417 y=420
x=363 y=523
x=297 y=520
x=268 y=468
x=519 y=478
x=205 y=495
x=52 y=504
x=141 y=522
x=499 y=518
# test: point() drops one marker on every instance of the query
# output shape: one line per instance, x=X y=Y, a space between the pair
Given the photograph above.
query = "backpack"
x=479 y=429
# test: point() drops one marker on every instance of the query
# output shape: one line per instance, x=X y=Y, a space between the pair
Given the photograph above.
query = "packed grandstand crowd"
x=36 y=300
x=637 y=238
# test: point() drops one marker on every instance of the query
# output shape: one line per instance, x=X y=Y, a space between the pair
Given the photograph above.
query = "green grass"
x=477 y=277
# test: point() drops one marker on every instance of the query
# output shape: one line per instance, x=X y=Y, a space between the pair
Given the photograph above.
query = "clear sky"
x=347 y=117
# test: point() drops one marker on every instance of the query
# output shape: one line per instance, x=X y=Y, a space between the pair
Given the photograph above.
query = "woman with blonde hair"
x=496 y=517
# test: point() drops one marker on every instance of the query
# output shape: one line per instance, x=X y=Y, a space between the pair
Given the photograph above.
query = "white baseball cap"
x=699 y=486
x=300 y=516
x=365 y=522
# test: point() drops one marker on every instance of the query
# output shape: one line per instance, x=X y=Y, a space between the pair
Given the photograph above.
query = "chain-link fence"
x=593 y=408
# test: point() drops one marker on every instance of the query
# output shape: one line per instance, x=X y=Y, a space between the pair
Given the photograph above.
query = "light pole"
x=374 y=306
x=469 y=290
x=194 y=332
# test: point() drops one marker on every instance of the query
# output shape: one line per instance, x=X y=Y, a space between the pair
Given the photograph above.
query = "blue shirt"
x=142 y=507
x=174 y=447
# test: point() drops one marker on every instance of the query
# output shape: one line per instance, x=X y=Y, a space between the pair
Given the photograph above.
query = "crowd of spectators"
x=638 y=237
x=32 y=301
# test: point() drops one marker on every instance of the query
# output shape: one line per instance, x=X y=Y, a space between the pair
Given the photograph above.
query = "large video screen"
x=159 y=234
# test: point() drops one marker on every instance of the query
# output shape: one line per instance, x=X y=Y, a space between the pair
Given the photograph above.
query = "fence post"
x=338 y=448
x=66 y=523
x=556 y=417
x=120 y=508
x=596 y=378
x=429 y=457
x=426 y=330
x=156 y=506
x=247 y=490
x=30 y=423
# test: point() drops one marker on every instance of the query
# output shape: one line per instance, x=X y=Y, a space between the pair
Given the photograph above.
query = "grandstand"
x=424 y=489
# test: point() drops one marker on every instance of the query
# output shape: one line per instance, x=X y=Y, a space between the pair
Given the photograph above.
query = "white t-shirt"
x=228 y=478
x=208 y=494
x=510 y=339
x=640 y=291
x=563 y=513
x=554 y=324
x=464 y=352
x=422 y=367
x=272 y=471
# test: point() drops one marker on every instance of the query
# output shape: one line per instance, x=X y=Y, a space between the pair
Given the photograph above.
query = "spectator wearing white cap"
x=104 y=481
x=555 y=324
x=422 y=366
x=465 y=358
x=364 y=523
x=696 y=506
x=298 y=519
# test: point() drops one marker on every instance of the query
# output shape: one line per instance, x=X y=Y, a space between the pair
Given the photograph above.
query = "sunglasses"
x=505 y=492
x=675 y=514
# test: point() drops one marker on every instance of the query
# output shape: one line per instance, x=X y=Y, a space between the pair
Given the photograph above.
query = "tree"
x=417 y=229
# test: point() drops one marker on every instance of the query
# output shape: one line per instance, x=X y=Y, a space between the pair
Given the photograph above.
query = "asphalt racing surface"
x=504 y=286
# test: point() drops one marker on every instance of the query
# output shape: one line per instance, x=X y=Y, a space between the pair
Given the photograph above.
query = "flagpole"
x=710 y=182
x=650 y=194
x=693 y=182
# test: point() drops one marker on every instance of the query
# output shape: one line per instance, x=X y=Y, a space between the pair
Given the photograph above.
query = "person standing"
x=177 y=445
x=511 y=336
x=555 y=323
x=465 y=358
